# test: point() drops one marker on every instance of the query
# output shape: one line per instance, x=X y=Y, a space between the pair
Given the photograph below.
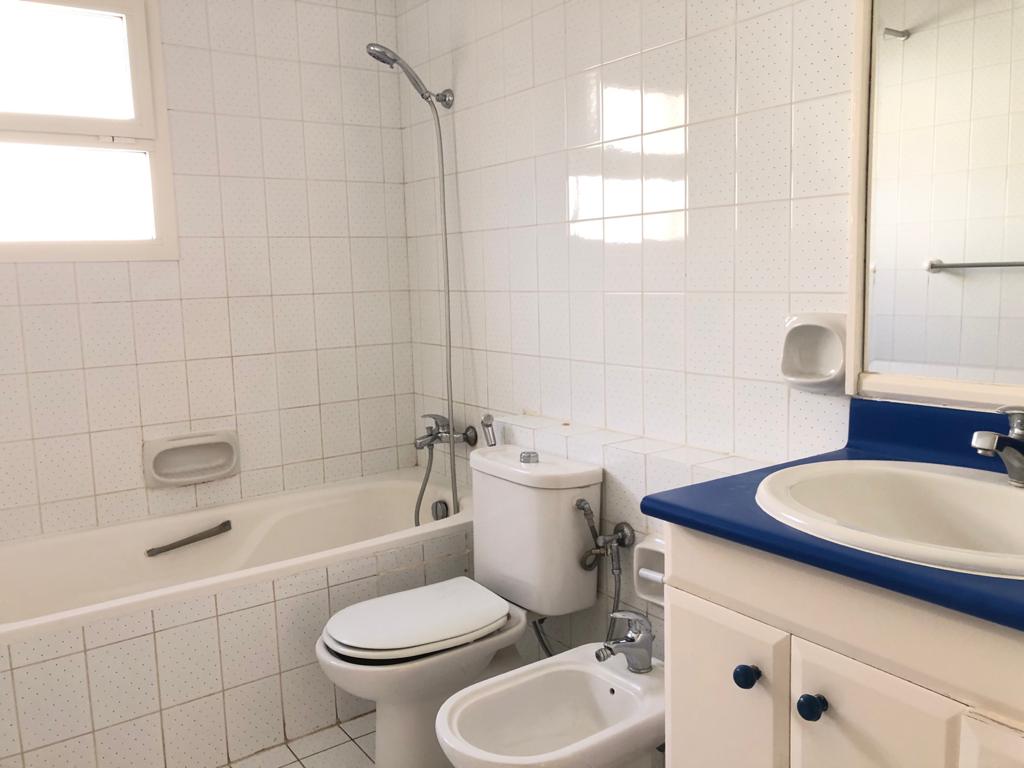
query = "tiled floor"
x=350 y=745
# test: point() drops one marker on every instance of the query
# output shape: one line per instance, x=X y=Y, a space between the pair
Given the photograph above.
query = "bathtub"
x=76 y=578
x=203 y=655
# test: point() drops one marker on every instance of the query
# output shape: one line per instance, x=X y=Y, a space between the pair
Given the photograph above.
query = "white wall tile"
x=53 y=701
x=122 y=681
x=10 y=742
x=188 y=658
x=254 y=717
x=308 y=700
x=194 y=734
x=113 y=397
x=135 y=744
x=77 y=752
x=58 y=403
x=64 y=467
x=248 y=641
x=52 y=337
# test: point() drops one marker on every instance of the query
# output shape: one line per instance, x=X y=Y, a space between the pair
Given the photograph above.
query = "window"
x=84 y=156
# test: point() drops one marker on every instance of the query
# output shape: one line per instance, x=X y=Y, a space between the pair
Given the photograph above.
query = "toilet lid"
x=416 y=621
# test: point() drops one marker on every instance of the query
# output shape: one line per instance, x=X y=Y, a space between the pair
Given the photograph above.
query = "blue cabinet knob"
x=746 y=676
x=811 y=706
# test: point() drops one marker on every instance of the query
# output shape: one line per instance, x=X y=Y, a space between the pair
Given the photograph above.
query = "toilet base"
x=408 y=694
x=408 y=726
x=408 y=735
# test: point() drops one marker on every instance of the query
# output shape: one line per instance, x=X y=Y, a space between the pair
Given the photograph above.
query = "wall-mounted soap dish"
x=190 y=459
x=814 y=352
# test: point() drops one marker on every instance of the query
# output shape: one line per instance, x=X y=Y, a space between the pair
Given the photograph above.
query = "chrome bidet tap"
x=1009 y=448
x=636 y=645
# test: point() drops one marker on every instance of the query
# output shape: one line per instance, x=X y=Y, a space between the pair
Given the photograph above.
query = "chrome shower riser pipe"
x=447 y=303
x=446 y=99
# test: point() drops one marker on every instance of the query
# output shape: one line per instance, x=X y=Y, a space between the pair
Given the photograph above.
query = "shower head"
x=385 y=55
x=382 y=54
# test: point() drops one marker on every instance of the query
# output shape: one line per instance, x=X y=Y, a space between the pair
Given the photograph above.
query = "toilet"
x=411 y=650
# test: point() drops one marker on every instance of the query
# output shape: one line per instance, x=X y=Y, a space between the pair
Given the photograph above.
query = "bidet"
x=568 y=711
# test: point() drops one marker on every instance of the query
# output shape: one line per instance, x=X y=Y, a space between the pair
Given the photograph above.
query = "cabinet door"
x=713 y=722
x=872 y=719
x=985 y=744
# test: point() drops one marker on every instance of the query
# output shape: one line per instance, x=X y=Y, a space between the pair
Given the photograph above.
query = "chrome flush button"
x=529 y=457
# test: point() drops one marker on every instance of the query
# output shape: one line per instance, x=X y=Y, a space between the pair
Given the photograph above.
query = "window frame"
x=148 y=132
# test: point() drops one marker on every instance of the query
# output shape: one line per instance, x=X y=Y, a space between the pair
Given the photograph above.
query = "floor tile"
x=346 y=756
x=361 y=725
x=318 y=742
x=368 y=744
x=275 y=757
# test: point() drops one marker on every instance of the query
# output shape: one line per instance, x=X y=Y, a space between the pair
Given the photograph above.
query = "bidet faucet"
x=1009 y=448
x=637 y=644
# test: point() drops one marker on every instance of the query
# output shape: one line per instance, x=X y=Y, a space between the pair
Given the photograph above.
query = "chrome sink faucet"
x=1009 y=447
x=637 y=644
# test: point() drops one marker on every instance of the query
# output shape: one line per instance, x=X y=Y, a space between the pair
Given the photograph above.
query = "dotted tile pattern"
x=220 y=678
x=689 y=189
x=278 y=124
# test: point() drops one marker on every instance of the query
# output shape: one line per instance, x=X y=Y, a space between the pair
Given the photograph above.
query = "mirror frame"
x=859 y=381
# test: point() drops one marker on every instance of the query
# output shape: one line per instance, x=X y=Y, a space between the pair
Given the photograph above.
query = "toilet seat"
x=416 y=622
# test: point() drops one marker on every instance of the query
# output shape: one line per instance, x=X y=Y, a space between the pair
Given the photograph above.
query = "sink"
x=565 y=711
x=954 y=518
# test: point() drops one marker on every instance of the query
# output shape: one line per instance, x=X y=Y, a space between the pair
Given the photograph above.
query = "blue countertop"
x=878 y=430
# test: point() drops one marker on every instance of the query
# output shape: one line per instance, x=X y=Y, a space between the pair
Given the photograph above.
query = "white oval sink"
x=947 y=517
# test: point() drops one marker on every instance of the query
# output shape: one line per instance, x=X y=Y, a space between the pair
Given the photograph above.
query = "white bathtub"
x=204 y=654
x=81 y=577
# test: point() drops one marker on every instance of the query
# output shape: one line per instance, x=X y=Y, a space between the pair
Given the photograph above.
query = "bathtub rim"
x=24 y=629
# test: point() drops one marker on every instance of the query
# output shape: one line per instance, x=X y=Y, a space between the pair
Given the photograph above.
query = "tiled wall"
x=642 y=190
x=947 y=179
x=202 y=682
x=288 y=314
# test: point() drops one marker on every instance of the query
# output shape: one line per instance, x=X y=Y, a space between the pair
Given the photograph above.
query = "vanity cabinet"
x=729 y=692
x=986 y=744
x=845 y=714
x=744 y=694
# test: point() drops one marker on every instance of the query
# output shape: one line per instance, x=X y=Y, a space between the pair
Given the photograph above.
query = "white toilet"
x=411 y=650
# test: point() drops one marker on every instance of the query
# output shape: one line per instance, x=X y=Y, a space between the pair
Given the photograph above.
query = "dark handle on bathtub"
x=217 y=530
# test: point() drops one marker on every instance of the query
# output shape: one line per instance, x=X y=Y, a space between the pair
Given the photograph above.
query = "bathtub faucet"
x=440 y=432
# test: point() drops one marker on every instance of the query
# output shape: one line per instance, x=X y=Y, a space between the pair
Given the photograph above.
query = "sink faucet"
x=636 y=646
x=1009 y=447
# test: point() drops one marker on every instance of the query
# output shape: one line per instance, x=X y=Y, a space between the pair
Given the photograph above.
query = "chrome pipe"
x=447 y=305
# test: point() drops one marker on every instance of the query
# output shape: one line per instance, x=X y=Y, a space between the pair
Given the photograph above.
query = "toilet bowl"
x=568 y=711
x=410 y=651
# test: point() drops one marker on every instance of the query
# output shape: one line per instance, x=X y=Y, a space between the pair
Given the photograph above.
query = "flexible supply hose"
x=617 y=578
x=423 y=485
x=542 y=639
x=538 y=629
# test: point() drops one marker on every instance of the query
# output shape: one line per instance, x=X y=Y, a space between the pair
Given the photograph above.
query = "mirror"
x=944 y=277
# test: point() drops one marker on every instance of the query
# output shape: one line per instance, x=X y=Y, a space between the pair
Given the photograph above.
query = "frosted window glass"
x=58 y=60
x=51 y=193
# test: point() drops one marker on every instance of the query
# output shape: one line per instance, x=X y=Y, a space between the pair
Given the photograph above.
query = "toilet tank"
x=528 y=536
